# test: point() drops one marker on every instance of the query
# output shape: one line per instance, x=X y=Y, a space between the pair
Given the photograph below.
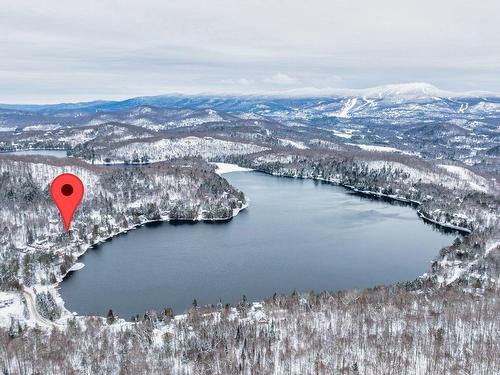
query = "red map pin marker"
x=67 y=193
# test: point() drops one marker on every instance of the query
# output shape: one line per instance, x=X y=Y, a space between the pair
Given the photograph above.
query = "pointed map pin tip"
x=67 y=193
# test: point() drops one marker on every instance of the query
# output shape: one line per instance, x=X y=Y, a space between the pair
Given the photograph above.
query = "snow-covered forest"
x=376 y=331
x=444 y=322
x=34 y=249
x=166 y=149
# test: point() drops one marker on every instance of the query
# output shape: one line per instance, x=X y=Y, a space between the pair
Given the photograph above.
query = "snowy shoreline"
x=411 y=202
x=222 y=168
x=444 y=225
x=54 y=288
x=76 y=267
x=60 y=278
x=162 y=219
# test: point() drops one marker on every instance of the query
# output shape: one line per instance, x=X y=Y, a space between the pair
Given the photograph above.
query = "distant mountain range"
x=394 y=93
x=416 y=103
x=415 y=118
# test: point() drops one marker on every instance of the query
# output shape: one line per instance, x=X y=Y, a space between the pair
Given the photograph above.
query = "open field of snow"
x=11 y=307
x=467 y=177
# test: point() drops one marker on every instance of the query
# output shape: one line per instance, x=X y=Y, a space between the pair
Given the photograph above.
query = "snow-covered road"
x=30 y=301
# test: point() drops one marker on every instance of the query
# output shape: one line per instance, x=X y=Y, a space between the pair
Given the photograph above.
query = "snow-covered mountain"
x=401 y=91
x=415 y=118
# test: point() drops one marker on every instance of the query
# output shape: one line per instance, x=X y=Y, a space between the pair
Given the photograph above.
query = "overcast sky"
x=51 y=51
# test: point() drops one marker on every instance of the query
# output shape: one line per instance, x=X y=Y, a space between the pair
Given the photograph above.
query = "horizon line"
x=391 y=90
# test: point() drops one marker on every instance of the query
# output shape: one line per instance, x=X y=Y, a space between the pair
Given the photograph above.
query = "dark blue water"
x=296 y=234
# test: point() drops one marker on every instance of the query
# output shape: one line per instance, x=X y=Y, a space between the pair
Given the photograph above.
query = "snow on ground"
x=43 y=173
x=10 y=306
x=296 y=144
x=490 y=246
x=342 y=135
x=457 y=177
x=209 y=115
x=344 y=113
x=455 y=269
x=274 y=158
x=474 y=181
x=370 y=102
x=79 y=137
x=326 y=144
x=249 y=116
x=381 y=148
x=76 y=267
x=488 y=107
x=165 y=149
x=463 y=107
x=42 y=127
x=228 y=168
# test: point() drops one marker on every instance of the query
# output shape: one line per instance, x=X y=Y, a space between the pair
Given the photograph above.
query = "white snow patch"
x=77 y=266
x=10 y=306
x=296 y=144
x=463 y=107
x=42 y=127
x=490 y=246
x=349 y=104
x=228 y=168
x=381 y=149
x=342 y=135
x=473 y=180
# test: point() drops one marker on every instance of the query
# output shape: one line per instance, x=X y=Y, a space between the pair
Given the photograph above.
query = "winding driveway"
x=31 y=302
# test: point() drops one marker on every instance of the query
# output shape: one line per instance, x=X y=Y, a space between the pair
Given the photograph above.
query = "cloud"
x=239 y=81
x=55 y=50
x=281 y=79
